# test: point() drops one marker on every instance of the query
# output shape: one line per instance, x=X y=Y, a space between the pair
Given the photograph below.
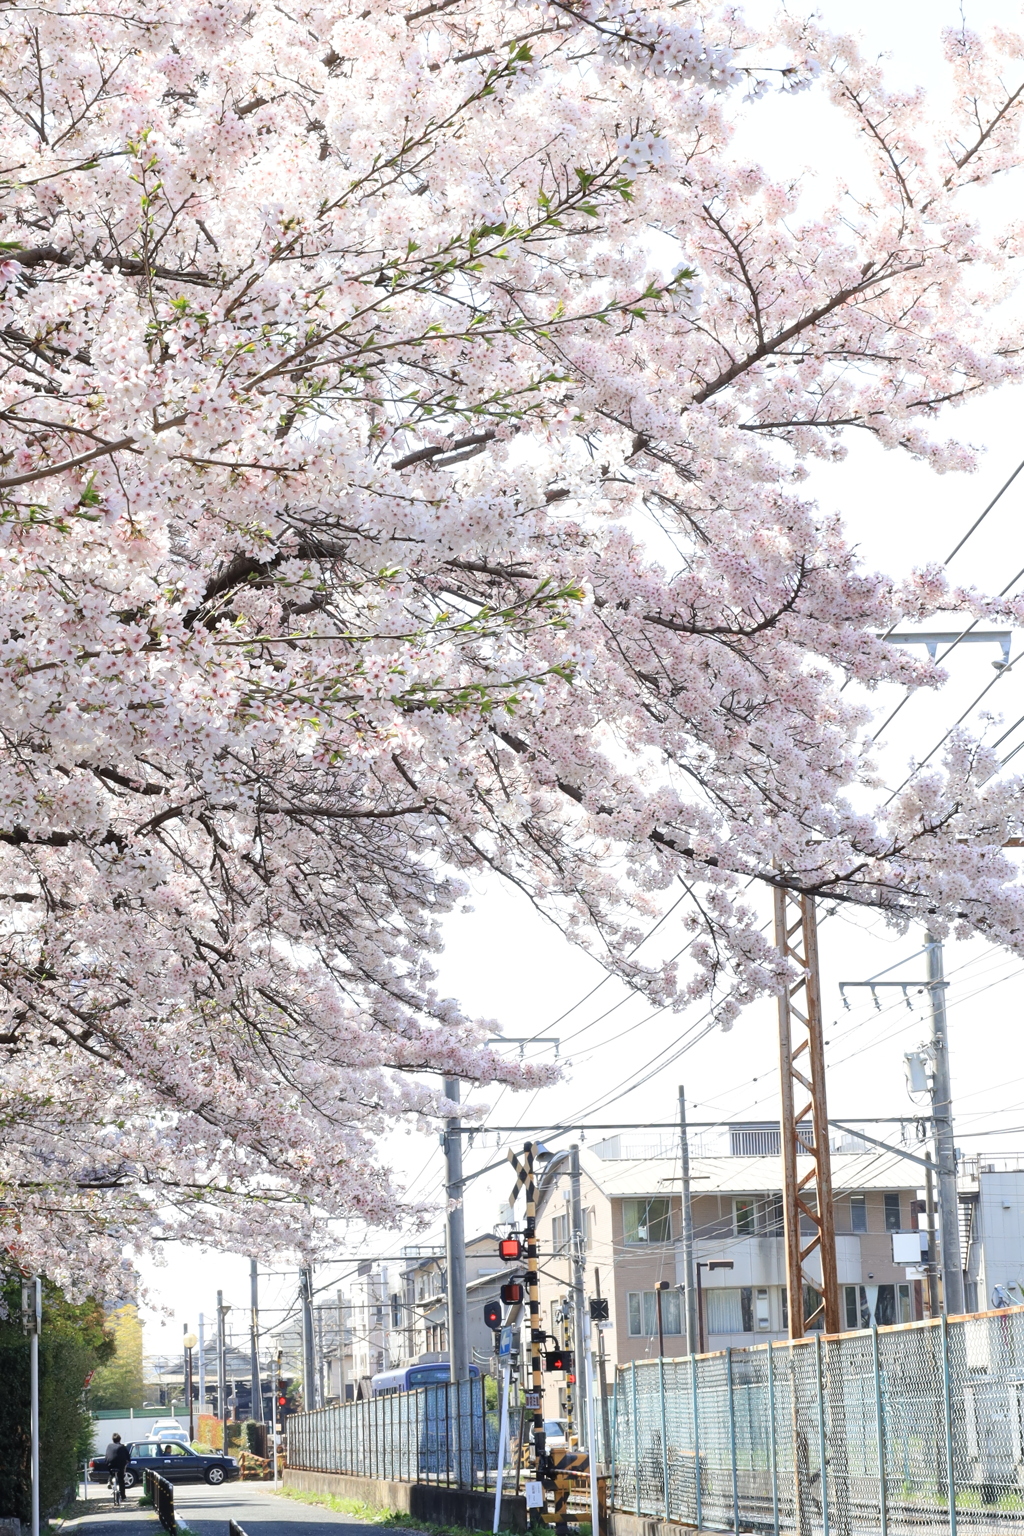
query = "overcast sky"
x=504 y=961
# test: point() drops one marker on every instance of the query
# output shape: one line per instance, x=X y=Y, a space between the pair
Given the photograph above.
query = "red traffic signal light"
x=492 y=1314
x=510 y=1248
x=558 y=1360
x=511 y=1292
x=282 y=1402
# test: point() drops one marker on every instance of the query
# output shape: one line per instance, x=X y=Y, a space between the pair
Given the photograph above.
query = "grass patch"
x=374 y=1514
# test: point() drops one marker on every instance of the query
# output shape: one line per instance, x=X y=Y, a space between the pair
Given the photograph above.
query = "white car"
x=169 y=1429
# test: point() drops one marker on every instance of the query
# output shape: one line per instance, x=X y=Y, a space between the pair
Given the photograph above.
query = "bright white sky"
x=505 y=962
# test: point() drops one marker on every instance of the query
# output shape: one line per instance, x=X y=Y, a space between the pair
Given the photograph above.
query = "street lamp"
x=190 y=1341
x=706 y=1264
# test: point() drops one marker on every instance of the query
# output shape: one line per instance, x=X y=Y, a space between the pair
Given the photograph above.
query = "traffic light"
x=509 y=1248
x=558 y=1360
x=511 y=1292
x=599 y=1309
x=492 y=1314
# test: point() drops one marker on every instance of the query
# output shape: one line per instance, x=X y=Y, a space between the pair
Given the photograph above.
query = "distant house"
x=634 y=1226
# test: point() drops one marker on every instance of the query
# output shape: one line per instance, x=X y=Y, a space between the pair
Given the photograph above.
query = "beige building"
x=634 y=1226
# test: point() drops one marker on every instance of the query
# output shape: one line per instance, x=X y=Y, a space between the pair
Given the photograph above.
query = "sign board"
x=534 y=1492
x=907 y=1247
x=531 y=1399
x=505 y=1343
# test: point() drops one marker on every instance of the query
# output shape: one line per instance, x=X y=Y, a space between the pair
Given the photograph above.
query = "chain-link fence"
x=862 y=1434
x=443 y=1433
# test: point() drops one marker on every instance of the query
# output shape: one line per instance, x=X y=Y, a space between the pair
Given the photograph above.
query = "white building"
x=992 y=1232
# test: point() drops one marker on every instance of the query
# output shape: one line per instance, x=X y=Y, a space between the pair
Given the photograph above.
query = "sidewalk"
x=99 y=1516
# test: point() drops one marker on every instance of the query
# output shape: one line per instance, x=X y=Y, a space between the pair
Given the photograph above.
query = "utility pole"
x=308 y=1347
x=802 y=1073
x=256 y=1404
x=945 y=1153
x=202 y=1363
x=578 y=1248
x=222 y=1371
x=934 y=1307
x=689 y=1284
x=455 y=1243
x=602 y=1372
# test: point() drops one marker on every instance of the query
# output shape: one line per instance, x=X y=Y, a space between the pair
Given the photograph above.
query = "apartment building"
x=992 y=1231
x=631 y=1194
x=419 y=1303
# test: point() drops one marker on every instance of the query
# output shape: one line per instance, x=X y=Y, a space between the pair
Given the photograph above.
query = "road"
x=206 y=1511
x=259 y=1511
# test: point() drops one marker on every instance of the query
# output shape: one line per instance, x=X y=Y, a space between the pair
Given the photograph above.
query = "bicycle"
x=115 y=1485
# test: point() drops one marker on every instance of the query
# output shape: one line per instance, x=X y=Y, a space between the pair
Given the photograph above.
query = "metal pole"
x=499 y=1481
x=947 y=1403
x=256 y=1405
x=585 y=1431
x=188 y=1390
x=773 y=1439
x=690 y=1294
x=222 y=1375
x=202 y=1363
x=636 y=1445
x=879 y=1430
x=700 y=1312
x=588 y=1382
x=321 y=1395
x=732 y=1441
x=664 y=1437
x=822 y=1447
x=696 y=1442
x=934 y=1307
x=603 y=1378
x=533 y=1296
x=945 y=1153
x=35 y=1322
x=455 y=1238
x=308 y=1348
x=661 y=1326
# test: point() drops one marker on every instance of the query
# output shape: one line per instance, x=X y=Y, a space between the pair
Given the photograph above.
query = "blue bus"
x=385 y=1383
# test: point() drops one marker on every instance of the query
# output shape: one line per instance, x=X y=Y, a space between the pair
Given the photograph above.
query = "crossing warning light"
x=509 y=1248
x=511 y=1292
x=599 y=1309
x=558 y=1360
x=492 y=1314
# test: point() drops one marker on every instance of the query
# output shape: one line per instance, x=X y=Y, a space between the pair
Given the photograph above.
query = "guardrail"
x=162 y=1494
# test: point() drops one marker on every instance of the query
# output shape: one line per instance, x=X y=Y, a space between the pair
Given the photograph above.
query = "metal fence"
x=437 y=1434
x=859 y=1434
x=161 y=1492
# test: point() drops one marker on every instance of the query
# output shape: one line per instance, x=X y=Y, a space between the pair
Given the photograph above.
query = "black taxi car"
x=178 y=1463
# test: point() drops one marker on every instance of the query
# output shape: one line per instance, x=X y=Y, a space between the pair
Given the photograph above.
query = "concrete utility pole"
x=256 y=1405
x=578 y=1250
x=32 y=1319
x=945 y=1153
x=309 y=1401
x=455 y=1243
x=802 y=1071
x=222 y=1372
x=689 y=1282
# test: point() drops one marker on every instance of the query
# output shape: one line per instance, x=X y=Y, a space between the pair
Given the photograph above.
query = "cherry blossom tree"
x=402 y=426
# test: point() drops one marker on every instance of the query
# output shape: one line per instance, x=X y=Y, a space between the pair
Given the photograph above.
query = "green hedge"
x=71 y=1345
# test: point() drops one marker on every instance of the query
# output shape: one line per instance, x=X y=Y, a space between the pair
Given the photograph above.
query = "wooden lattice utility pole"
x=802 y=1082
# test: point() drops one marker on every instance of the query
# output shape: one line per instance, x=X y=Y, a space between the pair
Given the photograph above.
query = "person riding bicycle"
x=118 y=1457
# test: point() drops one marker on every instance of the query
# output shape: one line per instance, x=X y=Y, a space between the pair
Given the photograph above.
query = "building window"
x=559 y=1234
x=744 y=1217
x=643 y=1314
x=858 y=1213
x=646 y=1221
x=893 y=1305
x=396 y=1309
x=764 y=1318
x=724 y=1311
x=892 y=1213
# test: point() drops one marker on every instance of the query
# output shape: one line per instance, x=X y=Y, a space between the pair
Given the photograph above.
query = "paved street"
x=259 y=1511
x=207 y=1511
